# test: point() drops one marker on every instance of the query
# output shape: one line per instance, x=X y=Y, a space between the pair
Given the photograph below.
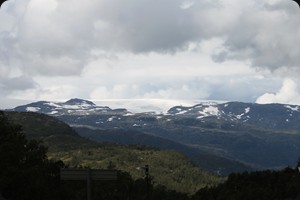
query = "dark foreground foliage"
x=26 y=173
x=168 y=167
x=125 y=188
x=262 y=185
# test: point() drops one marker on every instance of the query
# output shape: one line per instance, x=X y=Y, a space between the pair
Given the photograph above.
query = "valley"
x=219 y=137
x=168 y=168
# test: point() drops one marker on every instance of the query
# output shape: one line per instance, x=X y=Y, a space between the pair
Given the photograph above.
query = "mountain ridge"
x=258 y=135
x=269 y=116
x=65 y=144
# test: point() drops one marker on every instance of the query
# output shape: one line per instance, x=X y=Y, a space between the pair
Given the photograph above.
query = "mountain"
x=54 y=133
x=206 y=160
x=70 y=107
x=246 y=134
x=169 y=168
x=270 y=116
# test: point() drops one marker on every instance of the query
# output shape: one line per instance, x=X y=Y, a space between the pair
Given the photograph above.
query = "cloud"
x=48 y=93
x=223 y=88
x=147 y=49
x=58 y=39
x=266 y=37
x=180 y=91
x=287 y=94
x=20 y=83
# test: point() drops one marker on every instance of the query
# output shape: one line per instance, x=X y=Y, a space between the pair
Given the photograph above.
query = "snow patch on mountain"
x=181 y=112
x=53 y=112
x=247 y=110
x=212 y=110
x=78 y=107
x=32 y=109
x=209 y=111
x=111 y=118
x=52 y=104
x=293 y=108
x=128 y=114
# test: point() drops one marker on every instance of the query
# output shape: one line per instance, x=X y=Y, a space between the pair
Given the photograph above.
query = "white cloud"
x=100 y=93
x=147 y=49
x=287 y=94
x=178 y=92
x=62 y=36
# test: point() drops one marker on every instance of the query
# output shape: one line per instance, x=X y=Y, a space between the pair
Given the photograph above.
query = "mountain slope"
x=202 y=158
x=262 y=136
x=72 y=106
x=54 y=133
x=269 y=116
x=64 y=143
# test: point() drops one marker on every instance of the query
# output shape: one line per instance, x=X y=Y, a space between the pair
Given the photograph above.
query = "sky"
x=173 y=50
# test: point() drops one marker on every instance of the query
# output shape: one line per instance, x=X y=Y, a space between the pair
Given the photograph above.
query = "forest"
x=26 y=172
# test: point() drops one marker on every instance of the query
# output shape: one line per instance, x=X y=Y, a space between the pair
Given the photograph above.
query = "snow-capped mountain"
x=266 y=136
x=274 y=116
x=271 y=116
x=70 y=107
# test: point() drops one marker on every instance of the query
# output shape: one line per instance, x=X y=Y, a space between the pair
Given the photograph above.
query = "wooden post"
x=88 y=183
x=147 y=180
x=88 y=175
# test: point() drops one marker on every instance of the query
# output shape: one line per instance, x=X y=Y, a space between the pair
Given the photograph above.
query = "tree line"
x=26 y=173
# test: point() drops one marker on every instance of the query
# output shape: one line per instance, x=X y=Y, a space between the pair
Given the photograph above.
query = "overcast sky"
x=229 y=50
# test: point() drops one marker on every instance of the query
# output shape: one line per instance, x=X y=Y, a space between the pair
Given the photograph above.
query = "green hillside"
x=56 y=135
x=168 y=168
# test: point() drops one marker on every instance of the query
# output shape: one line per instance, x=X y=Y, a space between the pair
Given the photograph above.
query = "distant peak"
x=77 y=101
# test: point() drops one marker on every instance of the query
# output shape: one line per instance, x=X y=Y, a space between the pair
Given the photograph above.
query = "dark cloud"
x=156 y=26
x=58 y=39
x=266 y=37
x=16 y=83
